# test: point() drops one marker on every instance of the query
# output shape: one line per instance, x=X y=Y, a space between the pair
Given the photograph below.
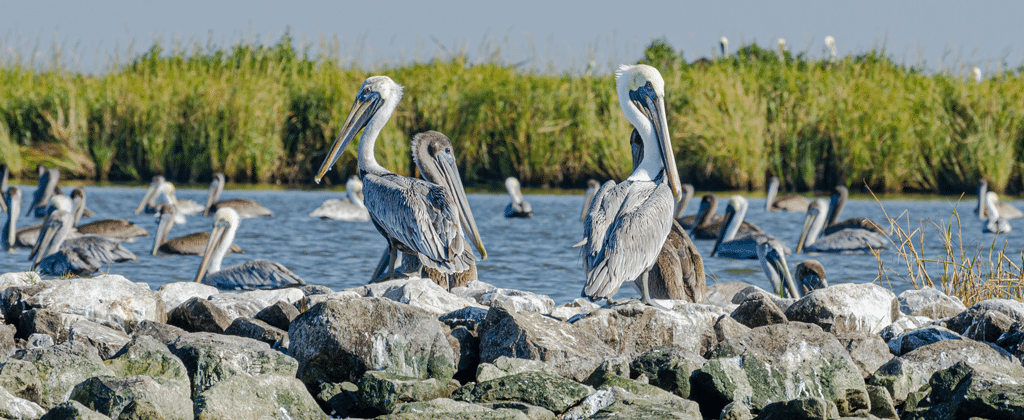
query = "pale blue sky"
x=944 y=34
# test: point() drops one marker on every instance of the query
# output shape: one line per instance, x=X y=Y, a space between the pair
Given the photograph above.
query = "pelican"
x=681 y=206
x=629 y=222
x=830 y=43
x=48 y=179
x=731 y=243
x=996 y=223
x=707 y=224
x=254 y=274
x=723 y=44
x=160 y=186
x=27 y=237
x=810 y=276
x=58 y=256
x=13 y=202
x=192 y=244
x=116 y=229
x=838 y=201
x=1006 y=210
x=841 y=241
x=588 y=196
x=348 y=209
x=788 y=202
x=432 y=153
x=772 y=255
x=414 y=216
x=245 y=207
x=706 y=209
x=3 y=187
x=977 y=74
x=518 y=207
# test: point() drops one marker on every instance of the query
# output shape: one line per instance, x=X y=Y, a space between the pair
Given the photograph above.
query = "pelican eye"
x=447 y=149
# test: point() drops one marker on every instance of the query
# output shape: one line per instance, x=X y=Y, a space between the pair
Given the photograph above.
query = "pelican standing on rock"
x=191 y=244
x=58 y=256
x=518 y=207
x=733 y=244
x=846 y=240
x=788 y=202
x=348 y=209
x=996 y=222
x=116 y=229
x=415 y=217
x=1006 y=210
x=629 y=222
x=245 y=207
x=254 y=274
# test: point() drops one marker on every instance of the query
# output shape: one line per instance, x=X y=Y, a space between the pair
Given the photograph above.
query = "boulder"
x=36 y=341
x=106 y=299
x=847 y=307
x=444 y=409
x=199 y=315
x=13 y=407
x=72 y=410
x=107 y=341
x=962 y=321
x=339 y=340
x=882 y=405
x=758 y=310
x=24 y=278
x=341 y=399
x=258 y=330
x=536 y=388
x=21 y=378
x=626 y=405
x=505 y=366
x=144 y=355
x=867 y=350
x=267 y=396
x=912 y=340
x=176 y=293
x=211 y=358
x=904 y=324
x=799 y=409
x=518 y=300
x=382 y=391
x=418 y=292
x=735 y=411
x=668 y=368
x=473 y=291
x=249 y=303
x=929 y=302
x=134 y=397
x=61 y=367
x=7 y=333
x=280 y=315
x=989 y=327
x=163 y=333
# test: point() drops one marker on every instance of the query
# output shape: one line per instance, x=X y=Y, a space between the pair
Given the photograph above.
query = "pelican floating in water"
x=58 y=256
x=192 y=244
x=772 y=255
x=254 y=274
x=733 y=244
x=415 y=216
x=996 y=222
x=788 y=202
x=681 y=206
x=588 y=196
x=846 y=240
x=838 y=201
x=27 y=237
x=160 y=186
x=348 y=209
x=707 y=224
x=1006 y=210
x=810 y=276
x=629 y=222
x=518 y=207
x=116 y=229
x=245 y=207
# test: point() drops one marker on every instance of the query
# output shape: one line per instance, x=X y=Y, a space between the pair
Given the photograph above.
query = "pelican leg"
x=646 y=295
x=393 y=261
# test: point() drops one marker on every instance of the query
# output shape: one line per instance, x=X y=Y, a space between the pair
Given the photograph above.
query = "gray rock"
x=315 y=289
x=382 y=391
x=163 y=333
x=176 y=293
x=1011 y=308
x=13 y=407
x=473 y=291
x=339 y=340
x=1013 y=340
x=929 y=302
x=912 y=340
x=211 y=358
x=107 y=299
x=61 y=367
x=340 y=399
x=590 y=405
x=989 y=327
x=417 y=292
x=258 y=330
x=799 y=409
x=722 y=294
x=629 y=406
x=144 y=355
x=577 y=307
x=532 y=412
x=746 y=292
x=24 y=278
x=21 y=378
x=72 y=410
x=43 y=321
x=867 y=350
x=199 y=315
x=1000 y=401
x=279 y=315
x=725 y=327
x=758 y=310
x=134 y=397
x=668 y=368
x=38 y=340
x=536 y=388
x=881 y=402
x=609 y=379
x=572 y=351
x=257 y=397
x=444 y=409
x=902 y=325
x=735 y=411
x=518 y=300
x=505 y=366
x=248 y=303
x=847 y=307
x=107 y=341
x=777 y=363
x=7 y=333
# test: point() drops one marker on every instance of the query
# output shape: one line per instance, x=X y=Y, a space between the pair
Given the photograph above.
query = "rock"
x=505 y=366
x=929 y=302
x=13 y=407
x=7 y=333
x=571 y=351
x=257 y=397
x=315 y=289
x=42 y=321
x=73 y=410
x=577 y=307
x=735 y=411
x=902 y=325
x=444 y=408
x=163 y=333
x=590 y=405
x=418 y=292
x=339 y=340
x=37 y=341
x=211 y=358
x=668 y=368
x=758 y=310
x=199 y=315
x=258 y=330
x=249 y=303
x=1013 y=340
x=847 y=307
x=518 y=300
x=107 y=341
x=962 y=321
x=134 y=397
x=776 y=363
x=1000 y=401
x=532 y=412
x=382 y=391
x=989 y=327
x=312 y=300
x=279 y=315
x=799 y=409
x=918 y=338
x=24 y=278
x=746 y=292
x=176 y=293
x=867 y=350
x=536 y=388
x=725 y=327
x=881 y=402
x=21 y=379
x=144 y=355
x=106 y=299
x=61 y=367
x=342 y=399
x=607 y=380
x=722 y=294
x=473 y=291
x=629 y=406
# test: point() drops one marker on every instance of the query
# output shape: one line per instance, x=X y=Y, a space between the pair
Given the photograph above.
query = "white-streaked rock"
x=24 y=278
x=518 y=300
x=106 y=299
x=419 y=292
x=929 y=302
x=247 y=304
x=176 y=293
x=847 y=307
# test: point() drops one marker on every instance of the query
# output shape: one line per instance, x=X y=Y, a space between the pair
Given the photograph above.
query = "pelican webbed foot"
x=646 y=294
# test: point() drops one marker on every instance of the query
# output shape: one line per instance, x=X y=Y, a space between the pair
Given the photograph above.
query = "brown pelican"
x=3 y=187
x=254 y=274
x=48 y=179
x=245 y=207
x=629 y=222
x=810 y=276
x=348 y=209
x=681 y=206
x=116 y=229
x=414 y=216
x=788 y=202
x=835 y=208
x=772 y=255
x=27 y=237
x=996 y=222
x=588 y=196
x=1006 y=210
x=518 y=207
x=707 y=224
x=841 y=241
x=59 y=256
x=733 y=244
x=160 y=186
x=192 y=244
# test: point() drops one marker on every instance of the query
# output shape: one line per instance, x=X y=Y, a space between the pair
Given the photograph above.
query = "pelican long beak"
x=150 y=194
x=163 y=228
x=450 y=173
x=654 y=107
x=803 y=234
x=216 y=236
x=364 y=108
x=730 y=213
x=778 y=263
x=212 y=196
x=45 y=242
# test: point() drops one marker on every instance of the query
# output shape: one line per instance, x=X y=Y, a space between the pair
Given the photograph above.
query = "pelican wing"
x=858 y=240
x=192 y=244
x=255 y=274
x=246 y=208
x=117 y=229
x=745 y=246
x=84 y=255
x=602 y=211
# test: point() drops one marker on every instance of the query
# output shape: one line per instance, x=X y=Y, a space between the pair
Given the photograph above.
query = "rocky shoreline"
x=106 y=347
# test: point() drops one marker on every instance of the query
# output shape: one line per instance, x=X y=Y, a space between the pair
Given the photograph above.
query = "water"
x=527 y=254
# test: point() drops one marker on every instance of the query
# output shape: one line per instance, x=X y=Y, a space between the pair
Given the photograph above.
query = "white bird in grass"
x=830 y=43
x=723 y=44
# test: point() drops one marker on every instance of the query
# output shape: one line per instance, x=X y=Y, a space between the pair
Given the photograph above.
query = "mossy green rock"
x=210 y=358
x=536 y=388
x=504 y=366
x=269 y=397
x=668 y=368
x=341 y=398
x=135 y=397
x=72 y=410
x=61 y=367
x=799 y=409
x=12 y=407
x=445 y=409
x=1003 y=401
x=382 y=390
x=21 y=379
x=630 y=406
x=144 y=355
x=642 y=390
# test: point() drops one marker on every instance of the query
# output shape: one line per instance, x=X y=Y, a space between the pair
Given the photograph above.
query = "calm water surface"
x=528 y=254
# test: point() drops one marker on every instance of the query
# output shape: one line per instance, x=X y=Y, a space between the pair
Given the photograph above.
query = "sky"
x=544 y=35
